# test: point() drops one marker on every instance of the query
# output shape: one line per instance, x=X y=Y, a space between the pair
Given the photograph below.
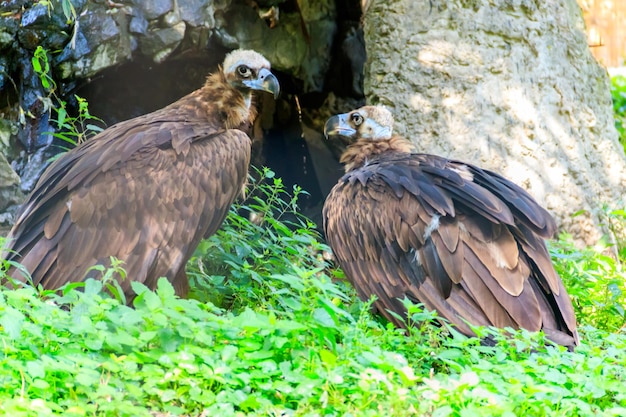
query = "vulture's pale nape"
x=145 y=190
x=464 y=241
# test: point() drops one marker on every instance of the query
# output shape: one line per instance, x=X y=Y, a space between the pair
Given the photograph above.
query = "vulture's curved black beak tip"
x=338 y=126
x=265 y=81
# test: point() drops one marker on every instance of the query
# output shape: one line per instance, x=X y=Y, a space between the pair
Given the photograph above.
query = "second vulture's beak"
x=338 y=125
x=265 y=81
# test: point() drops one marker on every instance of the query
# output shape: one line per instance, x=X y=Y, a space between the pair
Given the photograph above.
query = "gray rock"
x=36 y=15
x=98 y=26
x=138 y=25
x=102 y=41
x=4 y=69
x=8 y=177
x=7 y=130
x=153 y=9
x=35 y=165
x=197 y=13
x=8 y=29
x=40 y=27
x=161 y=42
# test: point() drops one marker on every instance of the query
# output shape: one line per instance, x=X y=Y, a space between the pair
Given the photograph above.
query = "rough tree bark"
x=509 y=85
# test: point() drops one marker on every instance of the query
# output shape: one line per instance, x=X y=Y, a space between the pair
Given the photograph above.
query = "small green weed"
x=594 y=276
x=596 y=282
x=264 y=241
x=71 y=129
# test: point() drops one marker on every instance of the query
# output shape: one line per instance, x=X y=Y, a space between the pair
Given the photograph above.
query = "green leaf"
x=35 y=369
x=12 y=321
x=87 y=377
x=165 y=288
x=147 y=336
x=61 y=116
x=92 y=287
x=444 y=411
x=293 y=281
x=40 y=384
x=94 y=343
x=168 y=395
x=36 y=64
x=328 y=357
x=229 y=353
x=67 y=10
x=94 y=128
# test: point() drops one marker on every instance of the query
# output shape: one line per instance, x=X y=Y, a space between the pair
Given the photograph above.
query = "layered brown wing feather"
x=462 y=241
x=145 y=191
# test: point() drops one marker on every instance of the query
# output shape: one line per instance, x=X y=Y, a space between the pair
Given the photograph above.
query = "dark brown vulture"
x=463 y=241
x=145 y=190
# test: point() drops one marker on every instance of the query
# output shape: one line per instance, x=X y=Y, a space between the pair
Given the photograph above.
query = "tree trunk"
x=509 y=85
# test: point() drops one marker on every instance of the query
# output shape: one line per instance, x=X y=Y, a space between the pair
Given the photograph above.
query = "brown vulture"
x=461 y=240
x=145 y=190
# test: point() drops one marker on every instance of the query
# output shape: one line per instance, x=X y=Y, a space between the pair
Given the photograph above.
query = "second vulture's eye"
x=357 y=119
x=244 y=71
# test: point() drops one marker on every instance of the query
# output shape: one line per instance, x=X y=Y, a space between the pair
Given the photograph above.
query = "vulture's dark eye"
x=357 y=119
x=244 y=71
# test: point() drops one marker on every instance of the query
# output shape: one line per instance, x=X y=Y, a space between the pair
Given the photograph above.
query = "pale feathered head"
x=368 y=122
x=246 y=69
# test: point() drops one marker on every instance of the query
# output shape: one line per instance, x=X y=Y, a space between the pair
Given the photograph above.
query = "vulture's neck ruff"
x=363 y=150
x=228 y=92
x=235 y=106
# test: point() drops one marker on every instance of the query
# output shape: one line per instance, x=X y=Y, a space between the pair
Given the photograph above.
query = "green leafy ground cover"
x=272 y=330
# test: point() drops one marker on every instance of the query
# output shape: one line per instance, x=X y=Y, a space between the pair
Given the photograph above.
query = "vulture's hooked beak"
x=338 y=125
x=265 y=81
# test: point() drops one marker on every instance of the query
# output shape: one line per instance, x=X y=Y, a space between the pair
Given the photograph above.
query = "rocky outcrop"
x=507 y=85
